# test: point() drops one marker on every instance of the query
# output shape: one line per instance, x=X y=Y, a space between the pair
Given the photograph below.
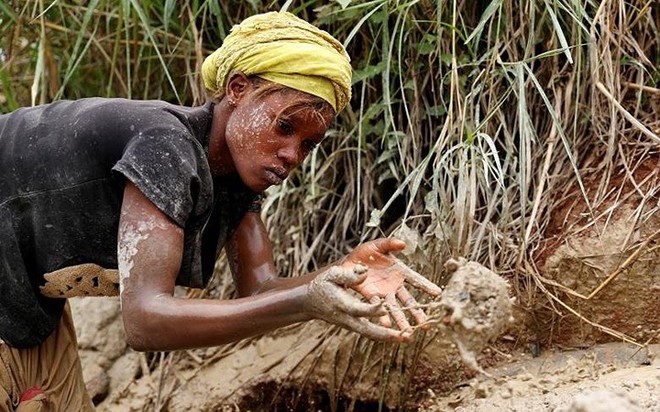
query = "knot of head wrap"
x=284 y=49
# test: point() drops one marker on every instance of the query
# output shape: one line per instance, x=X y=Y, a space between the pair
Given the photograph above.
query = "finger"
x=344 y=276
x=410 y=303
x=350 y=305
x=388 y=245
x=396 y=313
x=417 y=280
x=385 y=319
x=372 y=330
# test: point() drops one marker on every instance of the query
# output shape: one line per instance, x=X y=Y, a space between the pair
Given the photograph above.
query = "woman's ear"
x=237 y=87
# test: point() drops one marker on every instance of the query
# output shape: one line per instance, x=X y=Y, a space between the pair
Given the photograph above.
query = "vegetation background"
x=470 y=123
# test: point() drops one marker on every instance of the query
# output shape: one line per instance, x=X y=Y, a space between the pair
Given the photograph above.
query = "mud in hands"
x=374 y=275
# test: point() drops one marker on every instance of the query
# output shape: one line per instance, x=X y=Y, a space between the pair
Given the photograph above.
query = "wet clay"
x=475 y=307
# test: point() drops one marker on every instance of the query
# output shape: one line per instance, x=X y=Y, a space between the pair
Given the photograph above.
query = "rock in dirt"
x=602 y=401
x=475 y=306
x=99 y=326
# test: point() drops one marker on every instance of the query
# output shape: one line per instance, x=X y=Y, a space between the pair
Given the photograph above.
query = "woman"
x=156 y=191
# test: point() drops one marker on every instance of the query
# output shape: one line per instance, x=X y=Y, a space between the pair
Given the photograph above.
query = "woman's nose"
x=290 y=153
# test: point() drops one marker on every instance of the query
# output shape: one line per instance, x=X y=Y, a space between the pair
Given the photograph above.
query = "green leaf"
x=445 y=58
x=487 y=14
x=360 y=23
x=343 y=3
x=78 y=53
x=436 y=111
x=145 y=22
x=214 y=6
x=6 y=89
x=7 y=11
x=560 y=33
x=38 y=72
x=427 y=45
x=167 y=13
x=368 y=72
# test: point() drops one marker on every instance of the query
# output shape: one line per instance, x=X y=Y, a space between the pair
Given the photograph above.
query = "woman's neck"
x=219 y=157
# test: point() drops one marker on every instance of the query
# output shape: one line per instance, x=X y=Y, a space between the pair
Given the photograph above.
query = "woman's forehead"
x=292 y=100
x=301 y=107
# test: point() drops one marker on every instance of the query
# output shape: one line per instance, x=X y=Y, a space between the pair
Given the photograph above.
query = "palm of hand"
x=385 y=280
x=380 y=282
x=381 y=278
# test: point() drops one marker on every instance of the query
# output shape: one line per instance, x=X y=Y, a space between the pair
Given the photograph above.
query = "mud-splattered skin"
x=261 y=137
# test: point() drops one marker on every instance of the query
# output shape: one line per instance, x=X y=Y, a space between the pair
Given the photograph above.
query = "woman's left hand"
x=385 y=279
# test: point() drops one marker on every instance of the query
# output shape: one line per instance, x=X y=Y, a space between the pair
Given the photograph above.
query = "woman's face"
x=268 y=135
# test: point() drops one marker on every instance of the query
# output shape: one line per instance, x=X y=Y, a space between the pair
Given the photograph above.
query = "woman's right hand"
x=329 y=298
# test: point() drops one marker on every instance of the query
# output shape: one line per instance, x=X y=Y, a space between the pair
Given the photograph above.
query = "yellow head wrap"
x=284 y=49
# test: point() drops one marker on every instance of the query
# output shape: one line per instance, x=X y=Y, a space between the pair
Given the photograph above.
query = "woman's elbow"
x=137 y=343
x=140 y=329
x=136 y=336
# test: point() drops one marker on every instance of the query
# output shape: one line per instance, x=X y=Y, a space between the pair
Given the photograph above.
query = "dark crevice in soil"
x=271 y=396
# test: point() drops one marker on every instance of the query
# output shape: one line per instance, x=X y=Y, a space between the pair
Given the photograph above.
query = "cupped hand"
x=385 y=278
x=329 y=299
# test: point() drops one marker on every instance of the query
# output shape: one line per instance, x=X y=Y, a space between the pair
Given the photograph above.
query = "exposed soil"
x=609 y=377
x=614 y=247
x=308 y=368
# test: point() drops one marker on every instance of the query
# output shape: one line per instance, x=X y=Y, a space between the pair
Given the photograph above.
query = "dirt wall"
x=604 y=263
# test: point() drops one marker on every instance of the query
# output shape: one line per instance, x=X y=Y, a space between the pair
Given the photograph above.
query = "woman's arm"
x=251 y=260
x=250 y=256
x=150 y=248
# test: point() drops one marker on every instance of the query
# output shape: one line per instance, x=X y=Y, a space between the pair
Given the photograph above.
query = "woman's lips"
x=274 y=178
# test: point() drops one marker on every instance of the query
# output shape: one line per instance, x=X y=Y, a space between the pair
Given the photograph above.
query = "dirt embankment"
x=313 y=367
x=600 y=264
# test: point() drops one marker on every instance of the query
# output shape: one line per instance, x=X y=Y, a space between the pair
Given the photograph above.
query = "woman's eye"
x=285 y=126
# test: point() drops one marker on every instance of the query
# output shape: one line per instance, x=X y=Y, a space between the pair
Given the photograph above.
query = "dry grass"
x=471 y=121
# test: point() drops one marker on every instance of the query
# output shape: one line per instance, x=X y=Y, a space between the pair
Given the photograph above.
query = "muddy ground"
x=607 y=377
x=308 y=368
x=312 y=366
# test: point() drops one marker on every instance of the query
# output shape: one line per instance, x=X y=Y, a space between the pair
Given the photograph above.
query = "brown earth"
x=311 y=367
x=616 y=248
x=606 y=378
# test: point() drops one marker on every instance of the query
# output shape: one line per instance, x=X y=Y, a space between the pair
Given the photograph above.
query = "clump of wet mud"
x=475 y=307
